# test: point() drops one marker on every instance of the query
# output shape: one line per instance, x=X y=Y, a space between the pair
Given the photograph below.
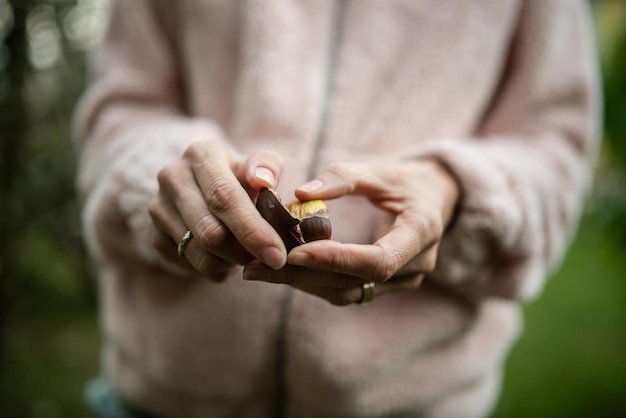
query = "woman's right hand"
x=211 y=194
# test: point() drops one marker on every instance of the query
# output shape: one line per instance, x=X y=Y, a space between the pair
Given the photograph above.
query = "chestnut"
x=296 y=223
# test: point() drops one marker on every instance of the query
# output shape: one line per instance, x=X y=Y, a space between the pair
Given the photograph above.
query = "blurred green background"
x=570 y=362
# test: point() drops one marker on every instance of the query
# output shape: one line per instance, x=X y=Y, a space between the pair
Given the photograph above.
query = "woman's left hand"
x=420 y=195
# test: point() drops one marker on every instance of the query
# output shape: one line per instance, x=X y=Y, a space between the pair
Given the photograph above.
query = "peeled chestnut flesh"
x=296 y=223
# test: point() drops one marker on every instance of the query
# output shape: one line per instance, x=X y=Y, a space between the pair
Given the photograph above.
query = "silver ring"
x=181 y=245
x=367 y=292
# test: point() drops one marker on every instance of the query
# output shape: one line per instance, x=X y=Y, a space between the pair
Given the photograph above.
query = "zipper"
x=339 y=9
x=282 y=391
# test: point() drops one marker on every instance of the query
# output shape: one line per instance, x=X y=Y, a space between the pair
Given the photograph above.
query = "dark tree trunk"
x=13 y=127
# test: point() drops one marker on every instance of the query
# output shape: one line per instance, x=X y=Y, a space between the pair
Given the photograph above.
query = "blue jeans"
x=105 y=402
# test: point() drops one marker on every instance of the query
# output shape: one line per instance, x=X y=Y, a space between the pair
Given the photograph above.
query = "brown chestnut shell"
x=298 y=222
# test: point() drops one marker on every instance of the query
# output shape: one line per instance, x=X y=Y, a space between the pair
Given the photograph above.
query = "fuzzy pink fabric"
x=503 y=92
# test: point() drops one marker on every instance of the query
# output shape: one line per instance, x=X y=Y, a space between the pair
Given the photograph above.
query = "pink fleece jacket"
x=502 y=92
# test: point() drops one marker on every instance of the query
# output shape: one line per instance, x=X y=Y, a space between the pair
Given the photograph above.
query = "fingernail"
x=266 y=175
x=256 y=274
x=274 y=258
x=311 y=186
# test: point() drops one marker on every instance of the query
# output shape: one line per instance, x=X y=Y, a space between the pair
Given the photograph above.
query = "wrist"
x=450 y=189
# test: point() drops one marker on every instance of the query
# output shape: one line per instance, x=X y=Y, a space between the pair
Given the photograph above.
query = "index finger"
x=231 y=204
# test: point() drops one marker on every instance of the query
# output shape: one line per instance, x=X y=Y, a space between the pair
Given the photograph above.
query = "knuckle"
x=436 y=231
x=428 y=223
x=425 y=262
x=157 y=212
x=167 y=176
x=338 y=169
x=208 y=265
x=204 y=268
x=220 y=196
x=153 y=208
x=384 y=268
x=247 y=235
x=269 y=156
x=211 y=234
x=195 y=151
x=430 y=261
x=418 y=218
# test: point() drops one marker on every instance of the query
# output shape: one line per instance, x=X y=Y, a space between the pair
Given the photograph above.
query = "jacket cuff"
x=116 y=218
x=492 y=248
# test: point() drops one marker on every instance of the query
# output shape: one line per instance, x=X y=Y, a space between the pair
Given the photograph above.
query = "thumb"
x=262 y=169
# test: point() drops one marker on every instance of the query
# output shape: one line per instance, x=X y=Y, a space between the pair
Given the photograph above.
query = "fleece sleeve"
x=130 y=123
x=524 y=175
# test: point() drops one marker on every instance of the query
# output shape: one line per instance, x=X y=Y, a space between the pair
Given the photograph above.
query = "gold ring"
x=367 y=292
x=181 y=245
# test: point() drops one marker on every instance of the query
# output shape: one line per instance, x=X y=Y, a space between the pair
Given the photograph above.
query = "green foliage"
x=614 y=75
x=610 y=191
x=47 y=309
x=570 y=360
x=53 y=341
